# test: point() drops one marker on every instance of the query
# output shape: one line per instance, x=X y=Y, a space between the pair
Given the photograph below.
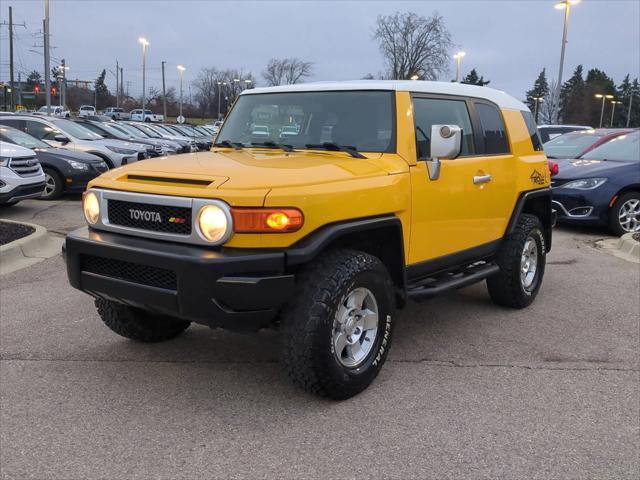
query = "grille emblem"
x=145 y=215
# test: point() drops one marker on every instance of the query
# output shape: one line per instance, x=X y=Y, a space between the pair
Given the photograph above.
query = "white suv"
x=21 y=175
x=62 y=133
x=62 y=112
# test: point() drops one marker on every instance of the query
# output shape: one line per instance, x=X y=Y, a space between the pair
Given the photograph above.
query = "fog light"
x=91 y=207
x=213 y=223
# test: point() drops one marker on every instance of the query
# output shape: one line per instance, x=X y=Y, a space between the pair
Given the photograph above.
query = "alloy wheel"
x=529 y=264
x=355 y=327
x=629 y=215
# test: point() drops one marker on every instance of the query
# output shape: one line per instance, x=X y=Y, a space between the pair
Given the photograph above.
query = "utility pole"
x=47 y=73
x=164 y=94
x=11 y=55
x=63 y=87
x=117 y=84
x=122 y=83
x=631 y=94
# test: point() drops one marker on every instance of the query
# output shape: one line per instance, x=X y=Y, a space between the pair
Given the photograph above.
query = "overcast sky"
x=508 y=41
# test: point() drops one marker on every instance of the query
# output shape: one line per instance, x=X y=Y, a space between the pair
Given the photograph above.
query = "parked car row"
x=597 y=177
x=72 y=152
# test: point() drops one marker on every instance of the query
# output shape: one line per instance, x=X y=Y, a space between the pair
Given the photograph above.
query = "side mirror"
x=446 y=144
x=61 y=138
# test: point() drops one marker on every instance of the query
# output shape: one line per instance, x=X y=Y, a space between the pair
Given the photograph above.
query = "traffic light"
x=53 y=90
x=36 y=89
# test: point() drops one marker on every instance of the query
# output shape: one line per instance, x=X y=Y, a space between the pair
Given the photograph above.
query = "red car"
x=575 y=144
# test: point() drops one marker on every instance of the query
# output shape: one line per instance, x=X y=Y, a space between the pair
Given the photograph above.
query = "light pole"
x=566 y=6
x=631 y=94
x=458 y=57
x=143 y=41
x=220 y=85
x=181 y=69
x=538 y=101
x=613 y=110
x=604 y=99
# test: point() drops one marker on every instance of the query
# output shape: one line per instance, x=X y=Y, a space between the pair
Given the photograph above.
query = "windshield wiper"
x=353 y=151
x=270 y=144
x=228 y=144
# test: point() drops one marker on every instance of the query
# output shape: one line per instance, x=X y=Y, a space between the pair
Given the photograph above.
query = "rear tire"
x=627 y=206
x=337 y=330
x=522 y=260
x=138 y=324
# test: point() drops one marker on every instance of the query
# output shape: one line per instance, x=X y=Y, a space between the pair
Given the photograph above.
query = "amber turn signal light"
x=266 y=220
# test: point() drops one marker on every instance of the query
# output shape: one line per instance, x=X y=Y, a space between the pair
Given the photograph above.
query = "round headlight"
x=213 y=223
x=91 y=207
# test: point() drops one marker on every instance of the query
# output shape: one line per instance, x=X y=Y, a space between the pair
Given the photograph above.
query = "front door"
x=449 y=214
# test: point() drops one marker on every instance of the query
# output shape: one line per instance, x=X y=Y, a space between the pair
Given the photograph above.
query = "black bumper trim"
x=238 y=289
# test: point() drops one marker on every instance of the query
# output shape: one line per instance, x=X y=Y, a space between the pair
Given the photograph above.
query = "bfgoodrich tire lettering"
x=510 y=287
x=138 y=324
x=308 y=323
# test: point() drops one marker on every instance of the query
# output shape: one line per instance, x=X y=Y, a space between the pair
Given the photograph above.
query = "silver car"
x=62 y=133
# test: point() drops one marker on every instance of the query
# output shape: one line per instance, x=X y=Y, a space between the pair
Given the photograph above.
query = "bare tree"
x=550 y=107
x=223 y=86
x=281 y=71
x=413 y=45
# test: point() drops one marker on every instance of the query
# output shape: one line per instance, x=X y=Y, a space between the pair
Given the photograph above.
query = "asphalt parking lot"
x=469 y=389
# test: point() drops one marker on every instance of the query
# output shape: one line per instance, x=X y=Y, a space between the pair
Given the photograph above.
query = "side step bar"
x=435 y=286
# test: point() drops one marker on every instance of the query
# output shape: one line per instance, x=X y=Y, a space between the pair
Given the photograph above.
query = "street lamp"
x=538 y=101
x=181 y=69
x=458 y=57
x=247 y=83
x=613 y=109
x=604 y=99
x=143 y=41
x=414 y=77
x=566 y=6
x=220 y=84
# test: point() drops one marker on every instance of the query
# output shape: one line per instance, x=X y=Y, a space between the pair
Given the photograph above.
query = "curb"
x=29 y=250
x=624 y=247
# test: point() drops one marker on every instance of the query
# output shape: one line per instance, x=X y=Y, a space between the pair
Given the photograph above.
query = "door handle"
x=477 y=179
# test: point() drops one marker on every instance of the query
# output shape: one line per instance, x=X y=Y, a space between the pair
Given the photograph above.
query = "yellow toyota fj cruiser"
x=319 y=210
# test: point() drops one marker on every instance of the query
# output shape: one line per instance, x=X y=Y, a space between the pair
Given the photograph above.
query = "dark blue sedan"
x=602 y=187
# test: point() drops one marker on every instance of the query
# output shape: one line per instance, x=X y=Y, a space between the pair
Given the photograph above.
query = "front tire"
x=337 y=331
x=522 y=260
x=138 y=324
x=624 y=216
x=53 y=185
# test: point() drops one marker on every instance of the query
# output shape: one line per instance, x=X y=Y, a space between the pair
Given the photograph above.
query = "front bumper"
x=22 y=192
x=235 y=289
x=578 y=207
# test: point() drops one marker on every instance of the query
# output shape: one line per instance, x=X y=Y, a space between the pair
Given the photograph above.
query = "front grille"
x=143 y=155
x=157 y=218
x=25 y=166
x=158 y=148
x=131 y=272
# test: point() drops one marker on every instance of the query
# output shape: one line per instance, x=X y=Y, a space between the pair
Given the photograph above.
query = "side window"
x=40 y=130
x=19 y=124
x=533 y=131
x=432 y=111
x=495 y=137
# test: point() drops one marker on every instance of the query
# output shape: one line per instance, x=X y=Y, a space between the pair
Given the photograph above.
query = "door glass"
x=41 y=131
x=430 y=111
x=495 y=137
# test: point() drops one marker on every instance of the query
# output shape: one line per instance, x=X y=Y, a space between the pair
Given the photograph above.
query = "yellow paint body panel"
x=438 y=217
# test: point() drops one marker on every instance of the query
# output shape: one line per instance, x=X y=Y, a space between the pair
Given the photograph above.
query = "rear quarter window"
x=536 y=141
x=493 y=130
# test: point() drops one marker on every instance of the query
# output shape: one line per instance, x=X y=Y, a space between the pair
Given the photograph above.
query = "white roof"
x=500 y=98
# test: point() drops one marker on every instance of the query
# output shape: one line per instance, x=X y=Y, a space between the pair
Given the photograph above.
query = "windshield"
x=21 y=138
x=360 y=119
x=114 y=130
x=570 y=145
x=149 y=131
x=76 y=130
x=136 y=132
x=625 y=148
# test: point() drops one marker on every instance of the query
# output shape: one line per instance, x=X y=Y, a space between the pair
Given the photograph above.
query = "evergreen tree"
x=598 y=82
x=624 y=92
x=473 y=79
x=103 y=97
x=572 y=98
x=635 y=106
x=540 y=90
